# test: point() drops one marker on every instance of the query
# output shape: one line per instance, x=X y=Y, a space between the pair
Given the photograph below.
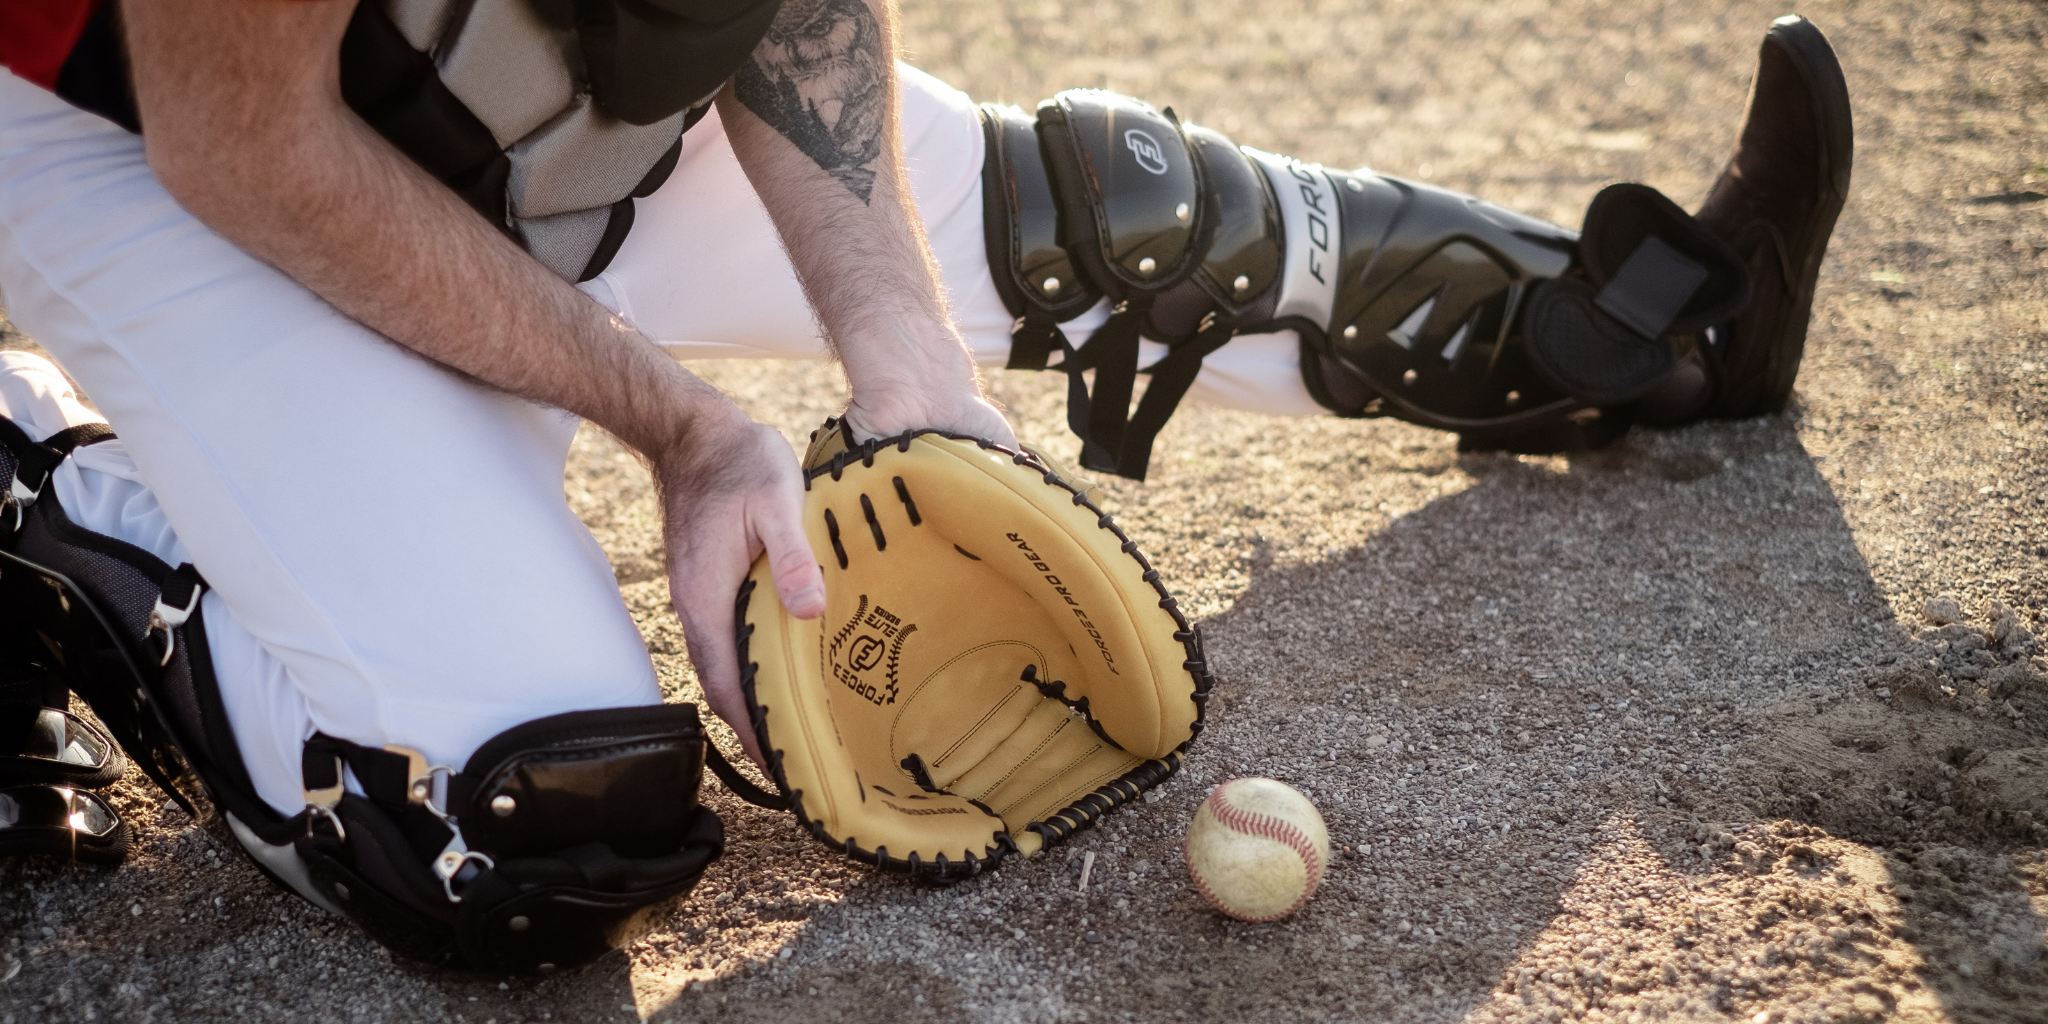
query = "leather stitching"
x=1237 y=819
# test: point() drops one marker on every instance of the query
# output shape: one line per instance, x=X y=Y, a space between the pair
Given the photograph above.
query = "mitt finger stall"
x=996 y=665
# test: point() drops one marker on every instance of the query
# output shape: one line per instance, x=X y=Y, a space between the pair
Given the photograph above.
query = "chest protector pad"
x=547 y=116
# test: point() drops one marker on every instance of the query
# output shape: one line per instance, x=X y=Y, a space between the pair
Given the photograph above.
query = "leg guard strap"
x=1648 y=271
x=100 y=617
x=1102 y=195
x=26 y=464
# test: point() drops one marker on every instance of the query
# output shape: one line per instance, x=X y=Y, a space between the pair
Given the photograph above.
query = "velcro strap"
x=602 y=869
x=71 y=439
x=1113 y=351
x=1034 y=339
x=181 y=586
x=1656 y=268
x=1171 y=378
x=35 y=459
x=383 y=775
x=1651 y=287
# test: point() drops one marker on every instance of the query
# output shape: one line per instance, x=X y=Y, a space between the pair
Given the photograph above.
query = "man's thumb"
x=798 y=580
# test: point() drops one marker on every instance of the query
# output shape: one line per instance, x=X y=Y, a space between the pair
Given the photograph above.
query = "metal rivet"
x=1354 y=184
x=1408 y=378
x=1514 y=399
x=547 y=968
x=341 y=890
x=1147 y=265
x=1051 y=286
x=1350 y=332
x=519 y=924
x=421 y=789
x=1181 y=212
x=503 y=805
x=1242 y=284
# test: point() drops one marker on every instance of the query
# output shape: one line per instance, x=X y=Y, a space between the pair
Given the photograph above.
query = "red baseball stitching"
x=1267 y=827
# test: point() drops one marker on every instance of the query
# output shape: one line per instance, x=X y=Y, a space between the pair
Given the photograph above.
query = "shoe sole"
x=1815 y=61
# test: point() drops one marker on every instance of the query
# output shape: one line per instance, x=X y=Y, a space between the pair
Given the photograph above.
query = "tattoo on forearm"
x=821 y=79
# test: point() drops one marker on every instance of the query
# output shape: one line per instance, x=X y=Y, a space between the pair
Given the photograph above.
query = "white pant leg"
x=392 y=540
x=704 y=273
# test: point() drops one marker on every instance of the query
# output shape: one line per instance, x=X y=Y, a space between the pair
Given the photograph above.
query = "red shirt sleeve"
x=37 y=35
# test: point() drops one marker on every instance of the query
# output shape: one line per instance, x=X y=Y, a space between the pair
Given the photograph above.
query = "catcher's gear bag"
x=1410 y=300
x=997 y=666
x=559 y=840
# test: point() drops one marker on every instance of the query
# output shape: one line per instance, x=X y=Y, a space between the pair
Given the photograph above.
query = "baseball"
x=1257 y=848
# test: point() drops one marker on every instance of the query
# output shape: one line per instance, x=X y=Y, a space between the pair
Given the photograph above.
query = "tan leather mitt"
x=997 y=665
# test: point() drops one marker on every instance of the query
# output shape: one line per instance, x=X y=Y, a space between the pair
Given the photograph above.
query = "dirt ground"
x=1663 y=732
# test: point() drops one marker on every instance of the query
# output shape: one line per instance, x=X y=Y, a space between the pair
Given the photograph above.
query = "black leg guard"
x=51 y=632
x=1410 y=300
x=560 y=840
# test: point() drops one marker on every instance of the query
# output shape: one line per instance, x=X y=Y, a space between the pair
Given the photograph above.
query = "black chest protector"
x=547 y=116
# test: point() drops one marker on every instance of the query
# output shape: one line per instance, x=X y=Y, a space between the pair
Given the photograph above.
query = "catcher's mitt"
x=996 y=666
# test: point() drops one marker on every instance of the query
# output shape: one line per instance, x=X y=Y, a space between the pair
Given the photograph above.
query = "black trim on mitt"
x=1061 y=824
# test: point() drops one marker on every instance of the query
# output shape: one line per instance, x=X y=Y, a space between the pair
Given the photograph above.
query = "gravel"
x=1664 y=732
x=1943 y=610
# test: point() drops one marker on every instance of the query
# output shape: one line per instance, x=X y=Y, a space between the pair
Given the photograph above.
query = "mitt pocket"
x=1045 y=766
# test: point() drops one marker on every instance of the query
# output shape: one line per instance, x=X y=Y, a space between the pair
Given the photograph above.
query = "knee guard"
x=559 y=840
x=1409 y=300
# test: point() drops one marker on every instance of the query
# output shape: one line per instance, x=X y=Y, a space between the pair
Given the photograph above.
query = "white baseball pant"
x=391 y=557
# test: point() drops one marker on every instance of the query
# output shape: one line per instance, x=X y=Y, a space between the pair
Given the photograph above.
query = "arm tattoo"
x=821 y=79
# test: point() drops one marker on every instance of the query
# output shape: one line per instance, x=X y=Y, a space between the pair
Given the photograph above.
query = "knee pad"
x=1409 y=300
x=559 y=840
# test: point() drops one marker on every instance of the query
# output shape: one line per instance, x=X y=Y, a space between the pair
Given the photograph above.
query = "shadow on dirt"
x=1680 y=631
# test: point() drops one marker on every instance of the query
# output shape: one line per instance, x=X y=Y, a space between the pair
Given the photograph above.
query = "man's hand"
x=812 y=118
x=957 y=410
x=727 y=497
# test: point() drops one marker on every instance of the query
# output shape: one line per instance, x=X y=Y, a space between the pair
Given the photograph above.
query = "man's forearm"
x=244 y=123
x=812 y=118
x=297 y=180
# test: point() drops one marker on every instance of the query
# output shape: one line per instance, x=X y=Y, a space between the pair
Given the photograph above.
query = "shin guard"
x=1410 y=300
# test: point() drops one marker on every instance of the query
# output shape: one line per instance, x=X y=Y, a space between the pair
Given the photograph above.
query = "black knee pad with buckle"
x=560 y=839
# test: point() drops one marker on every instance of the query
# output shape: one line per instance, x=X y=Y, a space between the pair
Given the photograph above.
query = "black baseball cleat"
x=58 y=821
x=1776 y=204
x=41 y=741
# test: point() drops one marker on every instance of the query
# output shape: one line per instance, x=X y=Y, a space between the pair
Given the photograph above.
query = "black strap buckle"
x=172 y=610
x=36 y=460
